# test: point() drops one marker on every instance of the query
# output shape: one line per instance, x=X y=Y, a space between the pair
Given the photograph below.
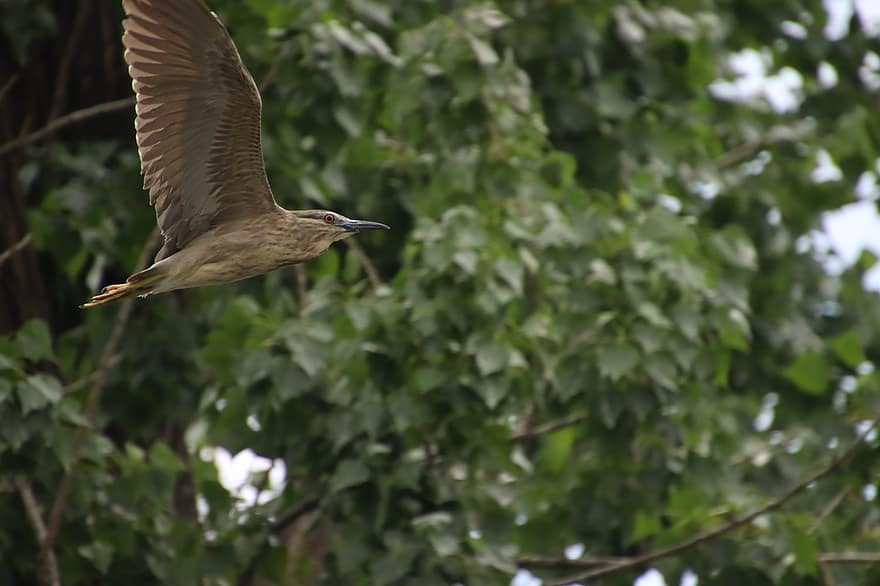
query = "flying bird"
x=198 y=136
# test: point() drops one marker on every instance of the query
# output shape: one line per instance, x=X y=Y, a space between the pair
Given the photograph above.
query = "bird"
x=197 y=123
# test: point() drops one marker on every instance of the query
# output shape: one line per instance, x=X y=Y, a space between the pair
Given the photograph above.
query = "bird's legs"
x=139 y=284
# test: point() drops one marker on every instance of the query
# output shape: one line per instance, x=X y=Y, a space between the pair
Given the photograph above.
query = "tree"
x=600 y=317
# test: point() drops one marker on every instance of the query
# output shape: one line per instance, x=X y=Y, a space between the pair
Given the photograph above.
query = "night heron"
x=198 y=135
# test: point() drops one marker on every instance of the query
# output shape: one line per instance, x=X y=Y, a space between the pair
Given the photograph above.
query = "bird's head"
x=328 y=227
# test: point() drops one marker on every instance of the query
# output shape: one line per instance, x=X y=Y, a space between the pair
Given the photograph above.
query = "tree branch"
x=66 y=64
x=91 y=378
x=549 y=427
x=304 y=508
x=557 y=562
x=829 y=508
x=7 y=86
x=302 y=285
x=369 y=267
x=696 y=540
x=65 y=121
x=99 y=378
x=50 y=575
x=850 y=557
x=7 y=254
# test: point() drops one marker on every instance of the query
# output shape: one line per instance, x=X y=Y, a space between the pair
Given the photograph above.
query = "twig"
x=776 y=134
x=585 y=561
x=7 y=254
x=739 y=153
x=270 y=75
x=7 y=86
x=724 y=529
x=548 y=427
x=827 y=576
x=35 y=514
x=850 y=557
x=829 y=508
x=70 y=51
x=90 y=378
x=369 y=268
x=67 y=120
x=99 y=380
x=302 y=289
x=304 y=508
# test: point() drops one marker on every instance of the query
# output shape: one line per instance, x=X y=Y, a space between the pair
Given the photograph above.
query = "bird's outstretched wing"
x=198 y=119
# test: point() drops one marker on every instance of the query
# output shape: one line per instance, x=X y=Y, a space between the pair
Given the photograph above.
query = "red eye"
x=329 y=218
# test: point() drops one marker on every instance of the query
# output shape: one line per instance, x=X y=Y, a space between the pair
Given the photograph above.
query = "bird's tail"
x=141 y=283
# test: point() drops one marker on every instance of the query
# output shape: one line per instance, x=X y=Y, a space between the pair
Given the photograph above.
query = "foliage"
x=581 y=231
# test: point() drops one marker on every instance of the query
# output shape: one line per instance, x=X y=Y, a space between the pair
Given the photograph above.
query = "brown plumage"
x=198 y=135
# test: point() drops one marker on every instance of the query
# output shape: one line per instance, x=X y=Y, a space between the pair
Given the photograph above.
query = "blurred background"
x=628 y=300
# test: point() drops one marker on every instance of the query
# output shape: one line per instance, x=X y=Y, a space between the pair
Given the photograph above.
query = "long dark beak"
x=358 y=225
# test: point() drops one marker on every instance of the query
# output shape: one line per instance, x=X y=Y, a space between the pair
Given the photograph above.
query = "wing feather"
x=198 y=120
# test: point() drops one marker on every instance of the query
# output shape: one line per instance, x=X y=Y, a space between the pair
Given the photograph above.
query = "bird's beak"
x=358 y=225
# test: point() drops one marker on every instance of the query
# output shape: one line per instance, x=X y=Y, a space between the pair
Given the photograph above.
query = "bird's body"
x=198 y=133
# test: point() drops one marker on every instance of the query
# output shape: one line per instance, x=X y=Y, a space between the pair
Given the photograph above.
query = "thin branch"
x=850 y=557
x=696 y=540
x=269 y=78
x=555 y=562
x=7 y=254
x=369 y=267
x=827 y=576
x=65 y=121
x=776 y=134
x=829 y=508
x=85 y=381
x=280 y=525
x=302 y=285
x=66 y=65
x=50 y=575
x=548 y=427
x=7 y=86
x=99 y=380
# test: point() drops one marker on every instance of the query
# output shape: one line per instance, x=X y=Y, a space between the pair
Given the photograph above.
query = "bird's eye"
x=329 y=218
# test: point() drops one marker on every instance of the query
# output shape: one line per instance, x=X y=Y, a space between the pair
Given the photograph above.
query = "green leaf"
x=349 y=473
x=805 y=550
x=848 y=347
x=34 y=341
x=661 y=369
x=617 y=360
x=99 y=553
x=557 y=448
x=491 y=358
x=810 y=372
x=734 y=246
x=484 y=52
x=164 y=458
x=645 y=526
x=37 y=391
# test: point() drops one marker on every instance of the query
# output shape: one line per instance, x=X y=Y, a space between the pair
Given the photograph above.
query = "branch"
x=302 y=289
x=35 y=514
x=776 y=134
x=562 y=563
x=91 y=378
x=304 y=508
x=65 y=121
x=64 y=68
x=696 y=540
x=850 y=557
x=829 y=508
x=549 y=427
x=7 y=86
x=99 y=378
x=7 y=254
x=369 y=267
